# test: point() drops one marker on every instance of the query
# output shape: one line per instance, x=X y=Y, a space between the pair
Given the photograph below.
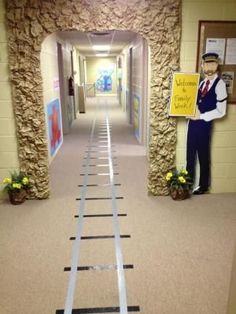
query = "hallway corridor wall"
x=51 y=84
x=164 y=46
x=135 y=99
x=28 y=25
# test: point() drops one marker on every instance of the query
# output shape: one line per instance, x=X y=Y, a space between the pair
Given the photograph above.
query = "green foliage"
x=179 y=179
x=16 y=182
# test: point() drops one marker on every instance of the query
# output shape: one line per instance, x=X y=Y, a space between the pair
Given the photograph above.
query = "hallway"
x=179 y=254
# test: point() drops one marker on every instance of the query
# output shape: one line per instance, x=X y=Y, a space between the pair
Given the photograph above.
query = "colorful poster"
x=136 y=104
x=184 y=94
x=104 y=81
x=54 y=126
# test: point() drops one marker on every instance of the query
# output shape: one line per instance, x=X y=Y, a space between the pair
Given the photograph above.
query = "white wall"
x=140 y=86
x=50 y=76
x=124 y=82
x=76 y=77
x=49 y=68
x=223 y=142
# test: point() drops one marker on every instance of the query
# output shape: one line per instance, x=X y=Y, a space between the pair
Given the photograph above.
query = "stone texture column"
x=29 y=22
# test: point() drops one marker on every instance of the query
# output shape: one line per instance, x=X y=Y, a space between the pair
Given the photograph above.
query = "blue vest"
x=208 y=102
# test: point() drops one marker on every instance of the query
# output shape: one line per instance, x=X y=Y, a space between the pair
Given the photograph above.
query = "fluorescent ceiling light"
x=101 y=54
x=99 y=34
x=101 y=47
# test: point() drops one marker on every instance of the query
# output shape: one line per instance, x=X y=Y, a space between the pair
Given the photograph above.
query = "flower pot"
x=179 y=194
x=17 y=197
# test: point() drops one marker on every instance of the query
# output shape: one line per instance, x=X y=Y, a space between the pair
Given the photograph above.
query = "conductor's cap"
x=210 y=57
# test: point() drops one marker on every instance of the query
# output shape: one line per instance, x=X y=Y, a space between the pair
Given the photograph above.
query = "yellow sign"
x=184 y=94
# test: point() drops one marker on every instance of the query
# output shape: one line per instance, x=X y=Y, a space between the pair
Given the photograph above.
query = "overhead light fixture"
x=101 y=54
x=99 y=34
x=101 y=47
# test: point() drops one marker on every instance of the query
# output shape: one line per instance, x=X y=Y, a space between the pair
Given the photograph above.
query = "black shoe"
x=199 y=191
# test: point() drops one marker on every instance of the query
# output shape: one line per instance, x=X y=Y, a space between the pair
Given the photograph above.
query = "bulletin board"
x=220 y=37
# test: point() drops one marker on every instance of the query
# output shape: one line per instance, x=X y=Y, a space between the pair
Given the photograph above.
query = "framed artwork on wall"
x=54 y=126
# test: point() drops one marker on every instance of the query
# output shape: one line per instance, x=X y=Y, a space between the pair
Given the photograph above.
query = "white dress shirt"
x=221 y=96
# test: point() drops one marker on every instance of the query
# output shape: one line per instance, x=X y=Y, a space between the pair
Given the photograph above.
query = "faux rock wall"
x=30 y=21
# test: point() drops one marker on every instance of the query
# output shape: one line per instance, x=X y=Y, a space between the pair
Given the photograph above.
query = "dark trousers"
x=198 y=145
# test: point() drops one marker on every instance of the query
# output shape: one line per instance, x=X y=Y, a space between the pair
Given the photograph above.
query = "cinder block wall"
x=224 y=137
x=8 y=144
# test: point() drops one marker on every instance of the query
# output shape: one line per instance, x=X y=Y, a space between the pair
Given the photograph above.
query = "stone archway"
x=29 y=22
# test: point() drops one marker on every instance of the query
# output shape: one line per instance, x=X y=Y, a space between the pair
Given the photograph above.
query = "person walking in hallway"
x=211 y=104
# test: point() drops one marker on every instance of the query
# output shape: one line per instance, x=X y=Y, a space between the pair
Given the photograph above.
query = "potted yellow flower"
x=16 y=186
x=180 y=184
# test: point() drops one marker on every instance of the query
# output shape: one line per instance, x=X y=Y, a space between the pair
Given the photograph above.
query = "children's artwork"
x=54 y=126
x=184 y=94
x=104 y=81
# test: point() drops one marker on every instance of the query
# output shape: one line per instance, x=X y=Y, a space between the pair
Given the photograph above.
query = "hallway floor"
x=179 y=255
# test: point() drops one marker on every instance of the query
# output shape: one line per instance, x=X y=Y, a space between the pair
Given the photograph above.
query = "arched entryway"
x=29 y=22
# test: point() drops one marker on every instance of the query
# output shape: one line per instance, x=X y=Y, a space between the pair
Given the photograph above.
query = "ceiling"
x=84 y=41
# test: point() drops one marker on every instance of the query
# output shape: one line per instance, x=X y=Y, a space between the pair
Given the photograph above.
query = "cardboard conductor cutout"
x=184 y=94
